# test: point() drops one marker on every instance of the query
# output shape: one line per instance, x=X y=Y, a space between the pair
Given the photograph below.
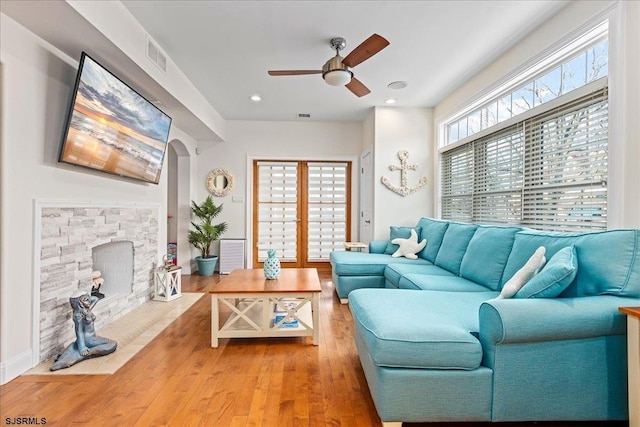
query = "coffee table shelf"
x=256 y=324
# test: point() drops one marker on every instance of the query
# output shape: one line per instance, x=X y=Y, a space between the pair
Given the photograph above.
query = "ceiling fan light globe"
x=337 y=77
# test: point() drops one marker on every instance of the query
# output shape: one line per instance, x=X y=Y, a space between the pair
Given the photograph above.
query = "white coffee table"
x=253 y=301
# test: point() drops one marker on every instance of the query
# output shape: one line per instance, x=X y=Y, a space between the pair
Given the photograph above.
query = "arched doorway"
x=179 y=201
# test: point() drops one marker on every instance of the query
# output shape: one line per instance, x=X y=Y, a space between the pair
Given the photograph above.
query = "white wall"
x=36 y=87
x=624 y=95
x=398 y=129
x=626 y=88
x=171 y=169
x=369 y=129
x=271 y=140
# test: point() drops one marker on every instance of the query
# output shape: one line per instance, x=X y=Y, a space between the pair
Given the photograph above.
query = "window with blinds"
x=327 y=209
x=498 y=177
x=565 y=185
x=278 y=209
x=457 y=183
x=548 y=171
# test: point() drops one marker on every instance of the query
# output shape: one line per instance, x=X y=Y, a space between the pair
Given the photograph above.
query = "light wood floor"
x=179 y=380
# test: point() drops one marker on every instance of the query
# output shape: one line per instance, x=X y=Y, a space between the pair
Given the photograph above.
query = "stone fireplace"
x=121 y=242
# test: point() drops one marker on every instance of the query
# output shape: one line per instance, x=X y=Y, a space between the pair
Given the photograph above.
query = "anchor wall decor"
x=404 y=190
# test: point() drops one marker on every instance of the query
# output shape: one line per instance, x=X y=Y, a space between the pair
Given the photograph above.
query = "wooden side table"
x=633 y=352
x=168 y=284
x=355 y=246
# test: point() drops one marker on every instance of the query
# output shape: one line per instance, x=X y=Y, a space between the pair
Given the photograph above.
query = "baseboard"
x=16 y=366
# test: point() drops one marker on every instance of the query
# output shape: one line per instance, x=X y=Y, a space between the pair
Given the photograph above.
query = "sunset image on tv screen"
x=114 y=129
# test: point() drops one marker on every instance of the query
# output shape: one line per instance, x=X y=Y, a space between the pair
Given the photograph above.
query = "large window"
x=581 y=62
x=539 y=158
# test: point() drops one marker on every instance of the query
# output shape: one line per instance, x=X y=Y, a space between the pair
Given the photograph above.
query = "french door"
x=301 y=210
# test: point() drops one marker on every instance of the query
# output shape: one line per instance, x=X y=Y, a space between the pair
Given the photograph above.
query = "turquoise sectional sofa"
x=437 y=344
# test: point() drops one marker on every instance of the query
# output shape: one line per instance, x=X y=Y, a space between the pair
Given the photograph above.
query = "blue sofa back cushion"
x=487 y=255
x=608 y=261
x=399 y=233
x=454 y=245
x=433 y=230
x=555 y=276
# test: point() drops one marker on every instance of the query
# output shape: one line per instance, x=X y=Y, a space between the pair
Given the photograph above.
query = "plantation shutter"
x=277 y=209
x=566 y=166
x=327 y=209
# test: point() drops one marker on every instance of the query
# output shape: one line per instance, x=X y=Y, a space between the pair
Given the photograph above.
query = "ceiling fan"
x=337 y=70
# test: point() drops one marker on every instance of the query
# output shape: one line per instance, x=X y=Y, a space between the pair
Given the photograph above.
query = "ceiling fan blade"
x=293 y=72
x=366 y=50
x=357 y=87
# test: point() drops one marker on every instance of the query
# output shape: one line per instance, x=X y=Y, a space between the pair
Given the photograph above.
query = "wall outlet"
x=237 y=199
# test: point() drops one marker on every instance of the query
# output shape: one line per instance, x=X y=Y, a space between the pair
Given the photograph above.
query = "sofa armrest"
x=551 y=319
x=377 y=246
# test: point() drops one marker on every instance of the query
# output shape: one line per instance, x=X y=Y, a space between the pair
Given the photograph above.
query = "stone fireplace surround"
x=65 y=235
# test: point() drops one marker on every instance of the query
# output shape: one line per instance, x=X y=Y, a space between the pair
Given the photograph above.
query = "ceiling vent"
x=304 y=115
x=156 y=55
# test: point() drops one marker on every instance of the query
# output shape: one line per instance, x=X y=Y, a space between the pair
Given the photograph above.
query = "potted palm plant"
x=205 y=233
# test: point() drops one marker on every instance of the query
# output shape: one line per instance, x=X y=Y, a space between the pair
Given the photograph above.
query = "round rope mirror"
x=219 y=182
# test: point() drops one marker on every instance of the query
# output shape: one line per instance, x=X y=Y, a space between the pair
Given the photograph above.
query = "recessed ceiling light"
x=390 y=101
x=397 y=85
x=255 y=98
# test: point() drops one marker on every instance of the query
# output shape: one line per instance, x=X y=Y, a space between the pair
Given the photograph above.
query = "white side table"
x=168 y=284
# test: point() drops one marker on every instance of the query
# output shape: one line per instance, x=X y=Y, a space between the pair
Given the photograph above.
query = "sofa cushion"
x=449 y=283
x=398 y=233
x=608 y=261
x=378 y=246
x=487 y=254
x=419 y=329
x=554 y=278
x=454 y=245
x=433 y=231
x=347 y=263
x=393 y=272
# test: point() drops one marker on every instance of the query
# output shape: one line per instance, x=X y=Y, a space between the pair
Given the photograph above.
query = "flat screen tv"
x=112 y=128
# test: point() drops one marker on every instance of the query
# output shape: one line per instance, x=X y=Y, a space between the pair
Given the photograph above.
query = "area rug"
x=132 y=331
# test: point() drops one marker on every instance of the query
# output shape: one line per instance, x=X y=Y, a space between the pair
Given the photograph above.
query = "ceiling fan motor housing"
x=338 y=78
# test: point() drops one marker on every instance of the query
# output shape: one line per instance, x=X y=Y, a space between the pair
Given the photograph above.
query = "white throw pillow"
x=522 y=276
x=409 y=247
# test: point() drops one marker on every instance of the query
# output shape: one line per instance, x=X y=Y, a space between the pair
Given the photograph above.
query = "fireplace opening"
x=112 y=269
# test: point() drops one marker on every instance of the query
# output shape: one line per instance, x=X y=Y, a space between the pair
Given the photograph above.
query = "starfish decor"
x=403 y=190
x=408 y=247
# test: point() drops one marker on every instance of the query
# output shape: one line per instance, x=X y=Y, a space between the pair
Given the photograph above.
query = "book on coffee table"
x=289 y=322
x=288 y=304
